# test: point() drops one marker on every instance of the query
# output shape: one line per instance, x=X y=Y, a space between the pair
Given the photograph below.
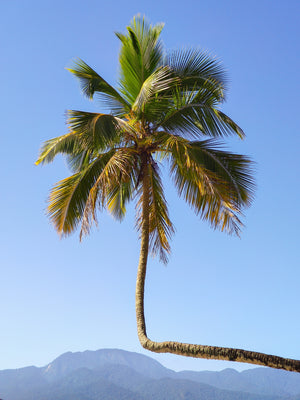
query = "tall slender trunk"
x=185 y=349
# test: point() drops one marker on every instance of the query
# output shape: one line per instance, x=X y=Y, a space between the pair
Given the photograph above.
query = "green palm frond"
x=219 y=214
x=233 y=170
x=194 y=113
x=99 y=131
x=140 y=55
x=118 y=195
x=161 y=228
x=121 y=189
x=160 y=80
x=68 y=197
x=205 y=199
x=194 y=67
x=217 y=184
x=65 y=144
x=113 y=187
x=195 y=120
x=92 y=83
x=79 y=160
x=90 y=133
x=160 y=225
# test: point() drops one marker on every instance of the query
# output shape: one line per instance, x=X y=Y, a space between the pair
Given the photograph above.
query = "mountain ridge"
x=134 y=376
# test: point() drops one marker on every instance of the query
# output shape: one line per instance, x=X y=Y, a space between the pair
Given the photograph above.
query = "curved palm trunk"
x=185 y=349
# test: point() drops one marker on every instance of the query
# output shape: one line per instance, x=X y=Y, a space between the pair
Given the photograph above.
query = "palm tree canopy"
x=164 y=109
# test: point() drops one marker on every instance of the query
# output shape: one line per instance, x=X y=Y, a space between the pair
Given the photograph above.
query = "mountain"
x=264 y=381
x=178 y=389
x=81 y=384
x=85 y=384
x=117 y=374
x=17 y=380
x=68 y=362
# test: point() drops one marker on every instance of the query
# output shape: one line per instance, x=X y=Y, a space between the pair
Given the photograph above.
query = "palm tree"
x=164 y=110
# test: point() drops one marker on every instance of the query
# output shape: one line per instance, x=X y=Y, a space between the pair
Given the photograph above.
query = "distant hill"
x=111 y=374
x=264 y=381
x=68 y=362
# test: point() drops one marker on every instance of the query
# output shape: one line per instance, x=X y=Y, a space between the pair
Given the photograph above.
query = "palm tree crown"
x=165 y=109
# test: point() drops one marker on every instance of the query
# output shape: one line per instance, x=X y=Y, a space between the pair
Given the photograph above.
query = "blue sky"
x=60 y=295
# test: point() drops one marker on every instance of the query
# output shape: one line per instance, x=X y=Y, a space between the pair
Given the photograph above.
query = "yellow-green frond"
x=68 y=197
x=92 y=83
x=217 y=184
x=113 y=188
x=140 y=55
x=66 y=144
x=160 y=80
x=160 y=225
x=193 y=115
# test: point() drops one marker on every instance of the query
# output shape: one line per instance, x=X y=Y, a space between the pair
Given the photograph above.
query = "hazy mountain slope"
x=68 y=362
x=122 y=375
x=171 y=389
x=13 y=381
x=268 y=379
x=264 y=381
x=85 y=384
x=82 y=384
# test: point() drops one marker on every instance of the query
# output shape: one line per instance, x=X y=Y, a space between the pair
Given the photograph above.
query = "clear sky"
x=60 y=295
